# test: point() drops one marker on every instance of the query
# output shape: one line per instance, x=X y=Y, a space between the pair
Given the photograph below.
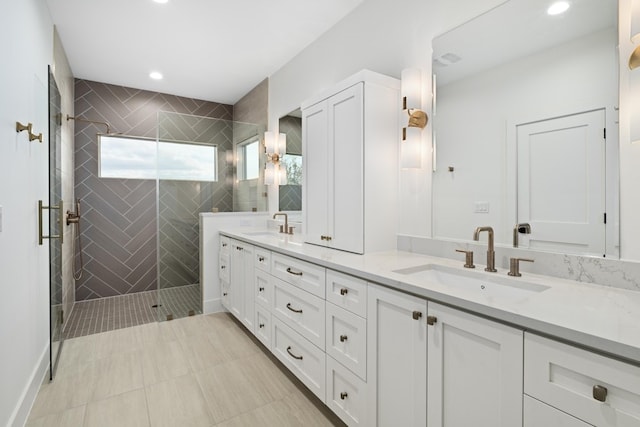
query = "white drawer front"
x=347 y=339
x=346 y=394
x=225 y=297
x=300 y=310
x=309 y=277
x=262 y=259
x=538 y=414
x=223 y=267
x=567 y=378
x=305 y=360
x=347 y=292
x=263 y=326
x=225 y=245
x=263 y=288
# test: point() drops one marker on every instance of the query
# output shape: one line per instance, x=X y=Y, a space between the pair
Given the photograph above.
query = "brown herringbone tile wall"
x=119 y=225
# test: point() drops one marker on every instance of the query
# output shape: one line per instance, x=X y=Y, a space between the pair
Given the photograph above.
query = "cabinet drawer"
x=347 y=292
x=538 y=414
x=263 y=288
x=223 y=267
x=300 y=310
x=303 y=359
x=262 y=258
x=304 y=275
x=263 y=326
x=346 y=394
x=568 y=378
x=225 y=245
x=347 y=339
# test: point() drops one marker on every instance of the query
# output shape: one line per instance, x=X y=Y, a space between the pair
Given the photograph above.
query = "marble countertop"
x=598 y=317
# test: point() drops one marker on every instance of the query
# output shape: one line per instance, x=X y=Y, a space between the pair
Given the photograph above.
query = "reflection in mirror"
x=291 y=193
x=522 y=102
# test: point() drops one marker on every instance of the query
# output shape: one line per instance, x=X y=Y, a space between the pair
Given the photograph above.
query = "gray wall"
x=119 y=215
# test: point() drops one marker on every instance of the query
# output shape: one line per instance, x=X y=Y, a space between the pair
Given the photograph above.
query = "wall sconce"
x=634 y=59
x=413 y=119
x=275 y=147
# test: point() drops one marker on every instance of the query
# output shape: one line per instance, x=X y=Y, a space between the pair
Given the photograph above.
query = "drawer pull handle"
x=260 y=259
x=599 y=393
x=224 y=245
x=416 y=315
x=293 y=355
x=260 y=289
x=343 y=395
x=432 y=320
x=295 y=273
x=222 y=267
x=224 y=294
x=343 y=338
x=293 y=309
x=261 y=325
x=239 y=248
x=344 y=291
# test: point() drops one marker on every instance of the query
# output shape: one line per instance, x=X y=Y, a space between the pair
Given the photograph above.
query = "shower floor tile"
x=107 y=314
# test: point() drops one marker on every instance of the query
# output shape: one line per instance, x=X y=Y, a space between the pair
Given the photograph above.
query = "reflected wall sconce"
x=634 y=59
x=276 y=147
x=413 y=119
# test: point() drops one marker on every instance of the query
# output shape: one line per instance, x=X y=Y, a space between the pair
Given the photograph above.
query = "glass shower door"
x=55 y=229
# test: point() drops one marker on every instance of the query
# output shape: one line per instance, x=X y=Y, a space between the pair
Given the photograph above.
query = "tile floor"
x=195 y=371
x=107 y=314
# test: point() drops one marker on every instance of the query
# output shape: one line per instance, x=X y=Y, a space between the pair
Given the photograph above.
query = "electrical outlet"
x=481 y=207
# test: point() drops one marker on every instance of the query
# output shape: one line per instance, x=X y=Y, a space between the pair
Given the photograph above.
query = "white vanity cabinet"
x=241 y=284
x=590 y=387
x=224 y=271
x=474 y=370
x=396 y=358
x=350 y=164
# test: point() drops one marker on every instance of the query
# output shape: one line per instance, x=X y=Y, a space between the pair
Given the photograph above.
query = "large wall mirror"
x=525 y=127
x=291 y=192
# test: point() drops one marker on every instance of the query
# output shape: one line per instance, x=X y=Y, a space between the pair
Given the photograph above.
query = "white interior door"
x=561 y=183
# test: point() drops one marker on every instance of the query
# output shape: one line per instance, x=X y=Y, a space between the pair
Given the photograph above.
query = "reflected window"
x=138 y=158
x=293 y=165
x=249 y=161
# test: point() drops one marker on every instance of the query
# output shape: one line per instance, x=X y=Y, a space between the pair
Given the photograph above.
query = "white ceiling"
x=206 y=49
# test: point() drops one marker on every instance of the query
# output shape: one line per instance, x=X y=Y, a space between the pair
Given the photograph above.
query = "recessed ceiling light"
x=161 y=1
x=558 y=7
x=155 y=75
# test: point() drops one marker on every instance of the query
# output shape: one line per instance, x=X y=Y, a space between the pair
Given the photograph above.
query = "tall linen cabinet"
x=350 y=164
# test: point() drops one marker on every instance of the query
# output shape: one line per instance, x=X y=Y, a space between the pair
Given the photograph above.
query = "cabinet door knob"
x=344 y=291
x=416 y=315
x=260 y=289
x=293 y=355
x=343 y=395
x=432 y=320
x=260 y=259
x=222 y=267
x=261 y=325
x=343 y=338
x=224 y=294
x=599 y=393
x=224 y=245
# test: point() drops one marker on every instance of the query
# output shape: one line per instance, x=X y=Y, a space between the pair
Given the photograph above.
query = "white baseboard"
x=213 y=306
x=28 y=398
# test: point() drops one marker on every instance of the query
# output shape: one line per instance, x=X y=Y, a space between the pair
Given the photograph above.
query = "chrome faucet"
x=284 y=228
x=523 y=228
x=491 y=254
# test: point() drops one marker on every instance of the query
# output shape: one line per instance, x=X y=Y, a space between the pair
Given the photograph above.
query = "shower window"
x=139 y=158
x=248 y=160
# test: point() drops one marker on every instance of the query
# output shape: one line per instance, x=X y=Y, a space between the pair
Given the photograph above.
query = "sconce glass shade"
x=411 y=138
x=282 y=175
x=411 y=88
x=635 y=22
x=411 y=149
x=275 y=147
x=269 y=173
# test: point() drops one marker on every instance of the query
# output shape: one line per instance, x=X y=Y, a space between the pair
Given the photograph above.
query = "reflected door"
x=561 y=191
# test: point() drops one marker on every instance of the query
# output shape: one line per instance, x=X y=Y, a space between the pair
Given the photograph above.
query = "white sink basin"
x=474 y=282
x=260 y=233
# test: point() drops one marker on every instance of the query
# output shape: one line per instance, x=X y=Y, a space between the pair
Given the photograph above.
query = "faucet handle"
x=468 y=259
x=514 y=266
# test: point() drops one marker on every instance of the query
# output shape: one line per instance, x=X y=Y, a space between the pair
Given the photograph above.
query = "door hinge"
x=605 y=217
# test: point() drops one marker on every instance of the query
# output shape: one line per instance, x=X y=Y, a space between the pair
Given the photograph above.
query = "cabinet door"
x=346 y=170
x=396 y=358
x=315 y=173
x=475 y=370
x=248 y=284
x=236 y=280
